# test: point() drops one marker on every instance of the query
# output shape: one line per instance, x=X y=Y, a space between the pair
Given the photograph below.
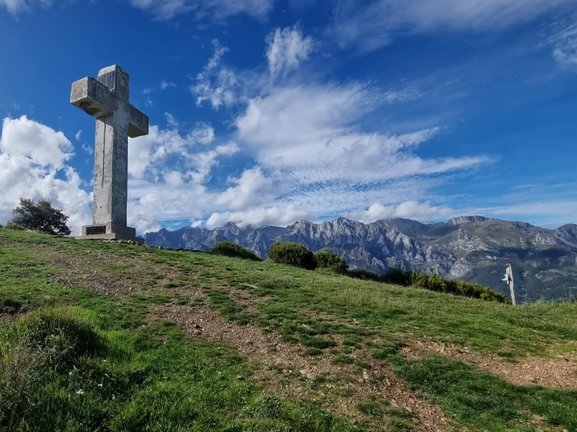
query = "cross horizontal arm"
x=92 y=97
x=137 y=122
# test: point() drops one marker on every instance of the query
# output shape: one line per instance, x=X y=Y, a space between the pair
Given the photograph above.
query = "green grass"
x=483 y=402
x=133 y=374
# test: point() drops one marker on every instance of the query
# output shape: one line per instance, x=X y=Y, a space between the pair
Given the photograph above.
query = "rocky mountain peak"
x=473 y=248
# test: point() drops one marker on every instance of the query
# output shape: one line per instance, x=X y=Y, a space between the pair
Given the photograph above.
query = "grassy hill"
x=113 y=336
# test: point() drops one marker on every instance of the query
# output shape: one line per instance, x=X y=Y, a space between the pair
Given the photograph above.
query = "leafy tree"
x=40 y=217
x=294 y=254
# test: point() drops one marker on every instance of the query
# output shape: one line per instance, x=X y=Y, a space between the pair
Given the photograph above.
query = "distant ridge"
x=472 y=248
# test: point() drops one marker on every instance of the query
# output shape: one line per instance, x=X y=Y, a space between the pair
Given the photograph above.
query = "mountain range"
x=471 y=248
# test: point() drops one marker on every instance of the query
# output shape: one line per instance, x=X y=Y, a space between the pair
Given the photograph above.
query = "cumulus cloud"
x=277 y=215
x=24 y=137
x=149 y=154
x=168 y=175
x=375 y=23
x=33 y=164
x=286 y=49
x=213 y=9
x=251 y=189
x=406 y=209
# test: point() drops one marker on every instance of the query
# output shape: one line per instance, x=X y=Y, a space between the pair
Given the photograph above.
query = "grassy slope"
x=150 y=372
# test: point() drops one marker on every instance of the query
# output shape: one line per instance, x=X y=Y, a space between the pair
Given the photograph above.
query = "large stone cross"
x=106 y=99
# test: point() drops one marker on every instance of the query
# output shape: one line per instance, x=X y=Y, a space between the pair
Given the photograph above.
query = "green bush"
x=294 y=254
x=398 y=277
x=34 y=353
x=366 y=275
x=231 y=249
x=331 y=261
x=431 y=282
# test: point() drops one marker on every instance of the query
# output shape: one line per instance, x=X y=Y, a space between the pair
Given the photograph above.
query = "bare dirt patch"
x=12 y=312
x=7 y=317
x=287 y=370
x=559 y=371
x=94 y=272
x=78 y=271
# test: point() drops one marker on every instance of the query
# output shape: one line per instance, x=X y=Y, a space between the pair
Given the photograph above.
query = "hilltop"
x=471 y=248
x=114 y=336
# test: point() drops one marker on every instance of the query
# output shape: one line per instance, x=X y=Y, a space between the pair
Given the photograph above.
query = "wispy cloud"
x=565 y=46
x=17 y=6
x=213 y=9
x=373 y=24
x=216 y=84
x=287 y=48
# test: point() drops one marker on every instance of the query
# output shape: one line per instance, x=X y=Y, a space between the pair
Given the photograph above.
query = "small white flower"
x=80 y=392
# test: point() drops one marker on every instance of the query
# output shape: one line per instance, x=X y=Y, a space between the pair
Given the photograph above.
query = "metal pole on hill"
x=510 y=281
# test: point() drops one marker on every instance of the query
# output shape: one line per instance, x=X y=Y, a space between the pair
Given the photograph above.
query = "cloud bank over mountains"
x=303 y=145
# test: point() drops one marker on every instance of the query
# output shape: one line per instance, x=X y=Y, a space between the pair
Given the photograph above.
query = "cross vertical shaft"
x=107 y=99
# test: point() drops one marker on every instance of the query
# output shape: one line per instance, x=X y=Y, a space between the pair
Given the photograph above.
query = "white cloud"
x=251 y=189
x=311 y=142
x=24 y=137
x=168 y=172
x=149 y=154
x=369 y=25
x=171 y=120
x=167 y=84
x=312 y=133
x=287 y=48
x=406 y=209
x=216 y=84
x=276 y=215
x=33 y=165
x=203 y=133
x=565 y=47
x=16 y=6
x=213 y=9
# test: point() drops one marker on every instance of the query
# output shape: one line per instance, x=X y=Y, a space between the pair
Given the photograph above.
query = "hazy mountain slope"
x=472 y=248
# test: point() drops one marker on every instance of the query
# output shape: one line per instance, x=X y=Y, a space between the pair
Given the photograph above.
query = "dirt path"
x=556 y=372
x=287 y=370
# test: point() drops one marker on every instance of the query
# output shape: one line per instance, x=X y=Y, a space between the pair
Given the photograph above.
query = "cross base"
x=105 y=232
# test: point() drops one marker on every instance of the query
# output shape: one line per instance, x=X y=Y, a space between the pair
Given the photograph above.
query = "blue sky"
x=268 y=111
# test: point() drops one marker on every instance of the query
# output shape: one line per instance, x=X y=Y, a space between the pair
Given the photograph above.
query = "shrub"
x=365 y=275
x=40 y=217
x=34 y=351
x=294 y=254
x=233 y=250
x=331 y=261
x=431 y=282
x=398 y=277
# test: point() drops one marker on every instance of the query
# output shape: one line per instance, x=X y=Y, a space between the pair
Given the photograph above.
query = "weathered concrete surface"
x=107 y=99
